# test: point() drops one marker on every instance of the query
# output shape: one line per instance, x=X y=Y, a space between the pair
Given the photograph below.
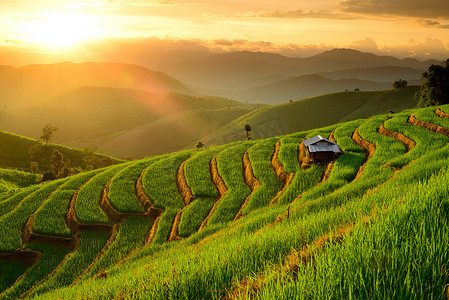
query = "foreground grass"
x=381 y=235
x=211 y=269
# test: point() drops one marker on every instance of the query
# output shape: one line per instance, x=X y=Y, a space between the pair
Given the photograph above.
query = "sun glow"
x=61 y=29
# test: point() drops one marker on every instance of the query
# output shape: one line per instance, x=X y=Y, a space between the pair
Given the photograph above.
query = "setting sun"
x=60 y=29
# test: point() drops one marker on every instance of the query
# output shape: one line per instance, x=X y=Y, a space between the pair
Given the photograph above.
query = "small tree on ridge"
x=247 y=128
x=47 y=132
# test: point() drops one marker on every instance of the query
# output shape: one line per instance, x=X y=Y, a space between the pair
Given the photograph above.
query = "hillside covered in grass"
x=244 y=220
x=16 y=152
x=315 y=112
x=110 y=120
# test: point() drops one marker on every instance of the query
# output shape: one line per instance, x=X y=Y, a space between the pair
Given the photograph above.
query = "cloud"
x=153 y=52
x=303 y=14
x=408 y=8
x=432 y=23
x=365 y=45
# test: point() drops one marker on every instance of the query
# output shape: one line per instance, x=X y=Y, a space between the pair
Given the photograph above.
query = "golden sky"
x=398 y=27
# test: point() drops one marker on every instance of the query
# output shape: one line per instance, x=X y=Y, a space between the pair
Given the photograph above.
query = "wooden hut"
x=321 y=150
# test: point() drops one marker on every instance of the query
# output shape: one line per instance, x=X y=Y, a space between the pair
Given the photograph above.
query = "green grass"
x=75 y=263
x=194 y=215
x=13 y=179
x=197 y=173
x=230 y=169
x=400 y=255
x=50 y=218
x=288 y=152
x=426 y=141
x=304 y=179
x=10 y=270
x=52 y=256
x=428 y=115
x=345 y=167
x=14 y=149
x=159 y=183
x=9 y=203
x=394 y=220
x=87 y=205
x=190 y=272
x=131 y=236
x=316 y=112
x=260 y=158
x=12 y=223
x=122 y=190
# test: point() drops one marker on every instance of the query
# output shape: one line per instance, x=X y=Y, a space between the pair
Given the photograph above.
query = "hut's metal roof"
x=324 y=148
x=320 y=144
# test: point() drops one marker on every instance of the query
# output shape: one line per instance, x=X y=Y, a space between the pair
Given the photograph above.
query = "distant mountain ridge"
x=304 y=87
x=379 y=74
x=235 y=71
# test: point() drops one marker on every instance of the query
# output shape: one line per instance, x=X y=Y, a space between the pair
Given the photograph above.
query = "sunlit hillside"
x=17 y=152
x=251 y=219
x=93 y=117
x=315 y=112
x=35 y=84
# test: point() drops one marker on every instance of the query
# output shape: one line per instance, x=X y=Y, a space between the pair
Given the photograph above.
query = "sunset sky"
x=404 y=28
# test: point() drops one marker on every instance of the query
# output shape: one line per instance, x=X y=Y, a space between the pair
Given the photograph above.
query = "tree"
x=434 y=86
x=247 y=128
x=400 y=84
x=199 y=145
x=47 y=132
x=57 y=161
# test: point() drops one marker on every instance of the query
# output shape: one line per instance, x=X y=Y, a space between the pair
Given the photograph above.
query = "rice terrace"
x=244 y=220
x=208 y=149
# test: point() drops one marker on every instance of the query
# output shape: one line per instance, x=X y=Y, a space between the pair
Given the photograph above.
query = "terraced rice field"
x=252 y=219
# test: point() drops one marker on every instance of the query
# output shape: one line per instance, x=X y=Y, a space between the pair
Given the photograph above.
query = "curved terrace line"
x=174 y=233
x=153 y=230
x=369 y=150
x=429 y=126
x=151 y=212
x=441 y=114
x=28 y=234
x=250 y=180
x=187 y=196
x=114 y=232
x=408 y=143
x=278 y=167
x=72 y=219
x=183 y=187
x=221 y=186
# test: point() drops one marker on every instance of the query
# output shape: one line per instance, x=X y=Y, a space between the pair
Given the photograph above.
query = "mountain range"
x=242 y=70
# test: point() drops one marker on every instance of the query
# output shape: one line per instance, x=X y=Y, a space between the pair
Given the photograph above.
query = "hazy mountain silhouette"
x=303 y=87
x=379 y=74
x=33 y=84
x=229 y=70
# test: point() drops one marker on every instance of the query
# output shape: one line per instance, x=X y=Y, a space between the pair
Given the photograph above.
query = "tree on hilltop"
x=47 y=132
x=247 y=128
x=400 y=84
x=199 y=145
x=435 y=86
